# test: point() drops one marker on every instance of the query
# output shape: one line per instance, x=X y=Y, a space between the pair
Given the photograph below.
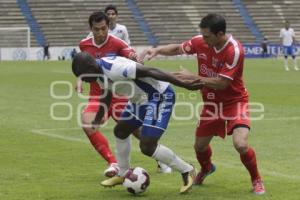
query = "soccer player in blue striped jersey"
x=151 y=100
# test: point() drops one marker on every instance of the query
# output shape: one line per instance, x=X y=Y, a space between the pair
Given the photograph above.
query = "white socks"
x=286 y=64
x=168 y=157
x=295 y=64
x=123 y=149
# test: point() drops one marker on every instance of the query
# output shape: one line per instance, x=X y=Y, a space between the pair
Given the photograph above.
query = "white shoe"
x=287 y=69
x=163 y=168
x=112 y=170
x=296 y=68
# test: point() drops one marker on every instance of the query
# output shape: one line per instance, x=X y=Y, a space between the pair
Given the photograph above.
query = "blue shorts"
x=288 y=50
x=153 y=116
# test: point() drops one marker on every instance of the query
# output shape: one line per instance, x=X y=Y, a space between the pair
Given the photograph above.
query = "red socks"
x=204 y=159
x=101 y=145
x=249 y=160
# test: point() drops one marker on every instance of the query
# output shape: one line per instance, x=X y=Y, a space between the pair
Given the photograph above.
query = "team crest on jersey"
x=202 y=56
x=187 y=48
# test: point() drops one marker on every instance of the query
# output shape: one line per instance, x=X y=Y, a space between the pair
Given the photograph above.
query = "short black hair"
x=214 y=22
x=83 y=63
x=111 y=7
x=98 y=17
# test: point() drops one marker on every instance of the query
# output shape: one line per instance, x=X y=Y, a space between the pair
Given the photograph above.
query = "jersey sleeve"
x=118 y=68
x=126 y=36
x=124 y=49
x=187 y=47
x=293 y=33
x=233 y=62
x=81 y=46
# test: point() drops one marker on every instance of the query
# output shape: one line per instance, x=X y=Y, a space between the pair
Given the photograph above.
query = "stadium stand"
x=65 y=23
x=11 y=16
x=173 y=21
x=269 y=15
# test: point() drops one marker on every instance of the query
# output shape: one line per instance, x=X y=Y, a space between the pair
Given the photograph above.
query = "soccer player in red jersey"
x=101 y=44
x=225 y=111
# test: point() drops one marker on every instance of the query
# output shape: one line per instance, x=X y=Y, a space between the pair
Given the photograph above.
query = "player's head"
x=213 y=28
x=85 y=66
x=98 y=22
x=287 y=24
x=112 y=13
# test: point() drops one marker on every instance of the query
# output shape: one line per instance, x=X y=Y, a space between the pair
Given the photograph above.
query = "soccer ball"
x=136 y=180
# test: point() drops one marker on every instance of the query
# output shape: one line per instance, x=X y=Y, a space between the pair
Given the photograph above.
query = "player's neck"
x=222 y=42
x=112 y=26
x=100 y=41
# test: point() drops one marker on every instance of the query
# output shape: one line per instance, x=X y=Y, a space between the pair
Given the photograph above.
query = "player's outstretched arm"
x=166 y=50
x=142 y=71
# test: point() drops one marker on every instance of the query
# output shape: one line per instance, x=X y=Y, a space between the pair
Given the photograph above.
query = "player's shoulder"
x=86 y=41
x=234 y=43
x=121 y=26
x=197 y=39
x=115 y=39
x=234 y=48
x=117 y=42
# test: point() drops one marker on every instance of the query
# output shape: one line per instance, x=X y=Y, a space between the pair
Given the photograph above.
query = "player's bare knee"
x=119 y=133
x=147 y=149
x=241 y=146
x=200 y=147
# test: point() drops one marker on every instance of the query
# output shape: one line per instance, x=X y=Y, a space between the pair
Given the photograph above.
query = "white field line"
x=177 y=123
x=45 y=132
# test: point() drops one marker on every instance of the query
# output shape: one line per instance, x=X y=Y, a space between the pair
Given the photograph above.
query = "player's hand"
x=186 y=75
x=148 y=53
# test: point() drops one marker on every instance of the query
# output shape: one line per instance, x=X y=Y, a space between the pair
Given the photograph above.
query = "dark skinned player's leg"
x=149 y=146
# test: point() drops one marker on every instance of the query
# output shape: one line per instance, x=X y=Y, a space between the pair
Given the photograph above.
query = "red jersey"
x=226 y=62
x=111 y=46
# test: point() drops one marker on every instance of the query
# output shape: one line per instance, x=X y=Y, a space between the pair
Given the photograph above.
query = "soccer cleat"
x=112 y=170
x=258 y=187
x=163 y=168
x=296 y=68
x=202 y=175
x=287 y=69
x=116 y=180
x=188 y=178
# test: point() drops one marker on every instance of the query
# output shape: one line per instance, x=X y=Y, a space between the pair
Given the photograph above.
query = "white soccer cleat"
x=258 y=187
x=163 y=168
x=287 y=69
x=296 y=68
x=112 y=170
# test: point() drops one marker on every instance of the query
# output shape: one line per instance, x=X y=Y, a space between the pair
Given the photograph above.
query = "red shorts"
x=116 y=107
x=221 y=120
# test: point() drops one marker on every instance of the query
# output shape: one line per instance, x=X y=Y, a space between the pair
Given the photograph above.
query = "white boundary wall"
x=36 y=53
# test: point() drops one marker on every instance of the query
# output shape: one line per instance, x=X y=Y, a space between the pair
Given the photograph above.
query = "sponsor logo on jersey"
x=204 y=70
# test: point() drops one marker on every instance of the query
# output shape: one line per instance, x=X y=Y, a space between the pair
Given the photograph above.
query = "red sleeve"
x=187 y=47
x=124 y=49
x=81 y=46
x=234 y=61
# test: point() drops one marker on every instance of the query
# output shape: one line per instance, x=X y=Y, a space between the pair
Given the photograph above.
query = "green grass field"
x=41 y=158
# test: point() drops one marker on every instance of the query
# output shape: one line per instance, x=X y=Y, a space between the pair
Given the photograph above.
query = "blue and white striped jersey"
x=120 y=77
